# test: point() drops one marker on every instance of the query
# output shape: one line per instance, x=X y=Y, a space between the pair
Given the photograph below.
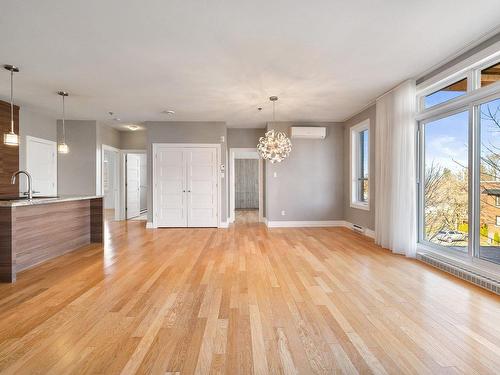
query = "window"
x=490 y=75
x=445 y=172
x=360 y=165
x=446 y=93
x=459 y=163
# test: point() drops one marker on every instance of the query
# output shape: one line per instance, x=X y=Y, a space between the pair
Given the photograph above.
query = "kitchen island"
x=33 y=231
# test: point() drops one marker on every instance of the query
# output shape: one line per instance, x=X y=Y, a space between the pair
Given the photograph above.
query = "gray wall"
x=185 y=132
x=356 y=215
x=244 y=138
x=77 y=169
x=36 y=125
x=133 y=140
x=309 y=184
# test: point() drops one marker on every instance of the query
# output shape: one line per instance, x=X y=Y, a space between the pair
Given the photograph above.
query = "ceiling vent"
x=308 y=132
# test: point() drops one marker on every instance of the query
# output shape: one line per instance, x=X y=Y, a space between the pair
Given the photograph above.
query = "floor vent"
x=358 y=228
x=465 y=274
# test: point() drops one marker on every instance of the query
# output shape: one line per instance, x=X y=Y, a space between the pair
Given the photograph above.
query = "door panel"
x=186 y=187
x=171 y=188
x=202 y=187
x=41 y=163
x=133 y=186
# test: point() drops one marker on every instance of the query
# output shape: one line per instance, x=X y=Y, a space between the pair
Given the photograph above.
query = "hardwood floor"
x=244 y=300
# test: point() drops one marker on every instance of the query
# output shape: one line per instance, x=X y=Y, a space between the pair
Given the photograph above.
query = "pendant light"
x=11 y=138
x=62 y=147
x=274 y=146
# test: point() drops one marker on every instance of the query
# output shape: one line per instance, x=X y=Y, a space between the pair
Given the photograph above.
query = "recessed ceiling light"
x=133 y=127
x=168 y=112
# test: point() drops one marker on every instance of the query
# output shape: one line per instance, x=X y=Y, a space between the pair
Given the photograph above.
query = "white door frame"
x=47 y=142
x=187 y=145
x=123 y=179
x=244 y=153
x=117 y=176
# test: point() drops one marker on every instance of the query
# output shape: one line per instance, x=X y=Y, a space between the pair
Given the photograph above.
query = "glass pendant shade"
x=62 y=148
x=275 y=146
x=11 y=139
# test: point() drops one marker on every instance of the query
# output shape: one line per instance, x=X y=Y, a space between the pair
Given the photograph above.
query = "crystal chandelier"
x=275 y=146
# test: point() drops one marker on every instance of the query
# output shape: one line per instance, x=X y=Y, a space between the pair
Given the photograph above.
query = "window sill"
x=481 y=267
x=360 y=206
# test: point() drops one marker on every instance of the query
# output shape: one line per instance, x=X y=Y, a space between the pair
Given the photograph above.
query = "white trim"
x=224 y=224
x=317 y=224
x=353 y=155
x=47 y=142
x=245 y=153
x=305 y=224
x=217 y=146
x=149 y=225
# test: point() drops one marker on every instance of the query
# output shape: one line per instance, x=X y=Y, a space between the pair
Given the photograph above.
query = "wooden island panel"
x=32 y=234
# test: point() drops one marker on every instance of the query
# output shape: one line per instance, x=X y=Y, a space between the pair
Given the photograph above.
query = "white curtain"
x=395 y=170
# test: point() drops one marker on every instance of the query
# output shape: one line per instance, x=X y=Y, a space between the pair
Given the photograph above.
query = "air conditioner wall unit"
x=308 y=132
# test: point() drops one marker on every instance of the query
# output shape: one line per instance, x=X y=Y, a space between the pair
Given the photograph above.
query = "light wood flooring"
x=244 y=300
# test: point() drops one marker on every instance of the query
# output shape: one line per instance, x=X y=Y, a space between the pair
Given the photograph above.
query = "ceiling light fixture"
x=168 y=112
x=11 y=138
x=62 y=147
x=133 y=127
x=275 y=146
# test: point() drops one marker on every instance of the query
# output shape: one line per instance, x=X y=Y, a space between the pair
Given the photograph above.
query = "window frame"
x=355 y=163
x=471 y=101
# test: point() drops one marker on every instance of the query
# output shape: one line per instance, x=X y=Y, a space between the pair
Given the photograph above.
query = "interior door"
x=133 y=186
x=170 y=188
x=41 y=163
x=202 y=187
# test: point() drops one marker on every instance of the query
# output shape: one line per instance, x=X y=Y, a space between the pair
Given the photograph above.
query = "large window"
x=360 y=165
x=445 y=171
x=459 y=164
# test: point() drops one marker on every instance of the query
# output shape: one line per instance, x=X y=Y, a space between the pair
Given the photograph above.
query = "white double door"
x=186 y=192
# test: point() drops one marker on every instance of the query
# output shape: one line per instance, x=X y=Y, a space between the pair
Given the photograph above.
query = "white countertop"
x=22 y=201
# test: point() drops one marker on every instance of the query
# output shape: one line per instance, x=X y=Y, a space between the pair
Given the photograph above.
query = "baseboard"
x=305 y=224
x=224 y=224
x=149 y=225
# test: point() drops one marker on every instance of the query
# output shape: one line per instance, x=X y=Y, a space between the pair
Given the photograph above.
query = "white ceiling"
x=220 y=60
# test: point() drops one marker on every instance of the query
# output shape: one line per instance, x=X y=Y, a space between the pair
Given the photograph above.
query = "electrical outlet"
x=283 y=213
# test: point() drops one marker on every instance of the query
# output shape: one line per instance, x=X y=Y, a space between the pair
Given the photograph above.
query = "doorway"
x=110 y=182
x=41 y=163
x=136 y=186
x=246 y=186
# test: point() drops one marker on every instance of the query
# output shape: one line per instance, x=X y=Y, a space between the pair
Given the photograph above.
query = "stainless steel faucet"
x=30 y=190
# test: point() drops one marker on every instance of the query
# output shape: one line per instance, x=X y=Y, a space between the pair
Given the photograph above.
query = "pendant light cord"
x=12 y=101
x=274 y=111
x=64 y=126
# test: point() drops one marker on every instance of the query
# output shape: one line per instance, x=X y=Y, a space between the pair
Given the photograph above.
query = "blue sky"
x=446 y=139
